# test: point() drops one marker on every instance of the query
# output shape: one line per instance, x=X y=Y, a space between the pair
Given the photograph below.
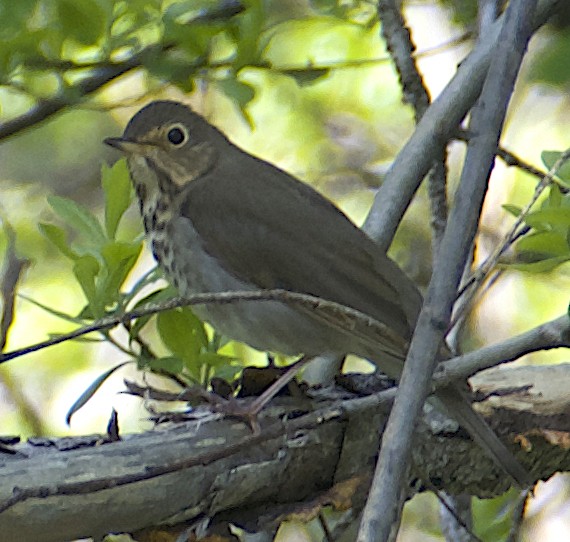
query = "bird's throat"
x=155 y=195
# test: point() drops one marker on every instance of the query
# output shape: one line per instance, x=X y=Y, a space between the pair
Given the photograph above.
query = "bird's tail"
x=459 y=407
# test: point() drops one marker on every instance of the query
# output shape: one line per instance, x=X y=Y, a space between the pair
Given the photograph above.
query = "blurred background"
x=306 y=85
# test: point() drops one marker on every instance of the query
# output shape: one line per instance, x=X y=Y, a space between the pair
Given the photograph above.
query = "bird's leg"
x=250 y=412
x=257 y=405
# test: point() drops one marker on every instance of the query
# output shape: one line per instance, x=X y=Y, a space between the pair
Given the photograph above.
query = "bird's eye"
x=177 y=135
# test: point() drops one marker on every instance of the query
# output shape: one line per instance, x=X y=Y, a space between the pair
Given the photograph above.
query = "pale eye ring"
x=177 y=135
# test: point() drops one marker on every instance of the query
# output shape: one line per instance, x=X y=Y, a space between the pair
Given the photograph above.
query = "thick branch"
x=213 y=468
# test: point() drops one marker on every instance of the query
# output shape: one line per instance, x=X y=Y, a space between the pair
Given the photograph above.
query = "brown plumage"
x=221 y=219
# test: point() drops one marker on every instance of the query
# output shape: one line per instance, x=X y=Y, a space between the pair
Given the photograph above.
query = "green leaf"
x=84 y=20
x=15 y=15
x=307 y=76
x=552 y=66
x=493 y=518
x=170 y=364
x=79 y=218
x=216 y=360
x=155 y=297
x=542 y=266
x=120 y=258
x=228 y=371
x=58 y=237
x=117 y=187
x=549 y=158
x=86 y=269
x=90 y=391
x=211 y=363
x=250 y=24
x=183 y=334
x=178 y=67
x=515 y=210
x=547 y=243
x=549 y=217
x=240 y=93
x=150 y=277
x=53 y=312
x=554 y=198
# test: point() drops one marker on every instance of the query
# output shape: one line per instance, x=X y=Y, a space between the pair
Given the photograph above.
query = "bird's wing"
x=277 y=232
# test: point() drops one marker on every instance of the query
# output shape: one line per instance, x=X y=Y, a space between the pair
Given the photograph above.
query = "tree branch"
x=553 y=334
x=401 y=48
x=437 y=126
x=214 y=469
x=381 y=512
x=334 y=313
x=49 y=107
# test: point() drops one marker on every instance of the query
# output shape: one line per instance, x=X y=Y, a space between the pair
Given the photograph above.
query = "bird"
x=219 y=219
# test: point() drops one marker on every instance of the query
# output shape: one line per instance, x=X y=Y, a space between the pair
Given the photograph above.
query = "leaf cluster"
x=101 y=263
x=546 y=243
x=50 y=48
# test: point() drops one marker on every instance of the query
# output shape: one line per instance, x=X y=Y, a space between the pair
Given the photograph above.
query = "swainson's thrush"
x=219 y=219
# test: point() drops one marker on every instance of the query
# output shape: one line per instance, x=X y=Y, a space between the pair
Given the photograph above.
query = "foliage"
x=553 y=68
x=62 y=51
x=101 y=264
x=57 y=50
x=547 y=242
x=58 y=53
x=493 y=518
x=51 y=49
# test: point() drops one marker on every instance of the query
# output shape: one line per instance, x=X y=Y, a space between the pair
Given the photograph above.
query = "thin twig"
x=328 y=537
x=347 y=316
x=517 y=230
x=399 y=44
x=450 y=518
x=508 y=157
x=512 y=159
x=401 y=48
x=12 y=273
x=46 y=108
x=518 y=516
x=13 y=269
x=106 y=72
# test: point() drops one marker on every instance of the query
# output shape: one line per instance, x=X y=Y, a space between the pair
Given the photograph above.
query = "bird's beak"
x=126 y=146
